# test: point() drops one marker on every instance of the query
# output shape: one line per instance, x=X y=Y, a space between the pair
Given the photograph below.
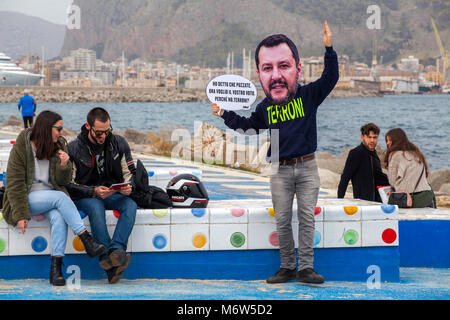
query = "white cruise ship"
x=12 y=75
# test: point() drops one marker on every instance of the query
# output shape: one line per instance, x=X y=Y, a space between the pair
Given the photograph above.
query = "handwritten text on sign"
x=231 y=92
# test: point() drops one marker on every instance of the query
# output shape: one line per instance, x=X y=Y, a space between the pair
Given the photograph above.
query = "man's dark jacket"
x=119 y=165
x=359 y=169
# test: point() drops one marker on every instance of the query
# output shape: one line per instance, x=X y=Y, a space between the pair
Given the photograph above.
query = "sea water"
x=425 y=119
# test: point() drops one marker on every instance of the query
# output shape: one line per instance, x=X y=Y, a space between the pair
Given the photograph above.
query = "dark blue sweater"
x=296 y=121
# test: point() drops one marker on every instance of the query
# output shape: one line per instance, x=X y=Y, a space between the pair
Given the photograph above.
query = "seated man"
x=363 y=168
x=101 y=158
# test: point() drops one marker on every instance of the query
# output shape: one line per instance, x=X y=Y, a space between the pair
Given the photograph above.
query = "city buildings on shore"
x=81 y=68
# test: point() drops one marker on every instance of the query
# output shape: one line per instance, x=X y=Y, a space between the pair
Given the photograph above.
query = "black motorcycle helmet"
x=187 y=191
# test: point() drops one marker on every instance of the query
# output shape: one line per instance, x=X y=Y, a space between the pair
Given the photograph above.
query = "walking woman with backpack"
x=38 y=170
x=408 y=170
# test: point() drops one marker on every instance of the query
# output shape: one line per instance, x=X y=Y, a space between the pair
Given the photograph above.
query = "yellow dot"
x=271 y=212
x=78 y=245
x=199 y=240
x=350 y=210
x=160 y=213
x=1 y=217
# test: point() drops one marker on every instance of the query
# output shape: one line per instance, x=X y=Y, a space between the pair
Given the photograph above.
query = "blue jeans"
x=61 y=211
x=95 y=209
x=301 y=180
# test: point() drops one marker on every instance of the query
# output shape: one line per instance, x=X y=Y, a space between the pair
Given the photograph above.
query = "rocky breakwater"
x=117 y=94
x=213 y=146
x=66 y=94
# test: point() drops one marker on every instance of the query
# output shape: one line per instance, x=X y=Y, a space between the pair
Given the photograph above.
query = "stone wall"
x=117 y=94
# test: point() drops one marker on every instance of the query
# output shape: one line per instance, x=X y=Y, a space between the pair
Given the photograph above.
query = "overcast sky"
x=51 y=10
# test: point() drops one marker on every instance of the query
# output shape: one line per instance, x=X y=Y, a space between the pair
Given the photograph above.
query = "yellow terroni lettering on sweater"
x=292 y=110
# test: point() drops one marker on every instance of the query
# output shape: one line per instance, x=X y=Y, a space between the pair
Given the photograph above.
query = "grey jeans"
x=301 y=180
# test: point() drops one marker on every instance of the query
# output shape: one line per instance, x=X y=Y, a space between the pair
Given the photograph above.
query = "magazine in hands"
x=118 y=186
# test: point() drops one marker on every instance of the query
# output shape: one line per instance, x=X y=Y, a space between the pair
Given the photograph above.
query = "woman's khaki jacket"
x=20 y=175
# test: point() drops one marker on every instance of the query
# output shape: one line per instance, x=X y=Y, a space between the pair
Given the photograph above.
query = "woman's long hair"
x=400 y=142
x=41 y=134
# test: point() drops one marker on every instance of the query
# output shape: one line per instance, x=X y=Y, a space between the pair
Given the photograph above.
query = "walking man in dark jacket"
x=100 y=159
x=363 y=168
x=289 y=112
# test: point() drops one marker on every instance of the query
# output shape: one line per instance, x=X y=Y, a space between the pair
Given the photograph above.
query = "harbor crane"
x=443 y=51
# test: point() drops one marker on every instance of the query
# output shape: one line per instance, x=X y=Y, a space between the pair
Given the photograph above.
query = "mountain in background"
x=203 y=32
x=22 y=34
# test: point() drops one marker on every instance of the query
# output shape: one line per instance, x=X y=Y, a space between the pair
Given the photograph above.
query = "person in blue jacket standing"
x=28 y=105
x=289 y=112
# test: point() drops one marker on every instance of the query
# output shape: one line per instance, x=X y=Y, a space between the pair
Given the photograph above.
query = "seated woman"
x=38 y=170
x=408 y=169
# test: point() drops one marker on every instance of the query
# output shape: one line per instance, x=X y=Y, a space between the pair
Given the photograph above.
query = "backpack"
x=2 y=193
x=146 y=196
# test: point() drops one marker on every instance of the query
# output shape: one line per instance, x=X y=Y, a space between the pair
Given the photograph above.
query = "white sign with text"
x=231 y=92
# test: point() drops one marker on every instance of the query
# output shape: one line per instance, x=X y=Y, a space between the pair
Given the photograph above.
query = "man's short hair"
x=273 y=41
x=99 y=114
x=365 y=129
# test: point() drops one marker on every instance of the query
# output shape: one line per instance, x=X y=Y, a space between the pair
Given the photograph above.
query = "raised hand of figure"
x=327 y=35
